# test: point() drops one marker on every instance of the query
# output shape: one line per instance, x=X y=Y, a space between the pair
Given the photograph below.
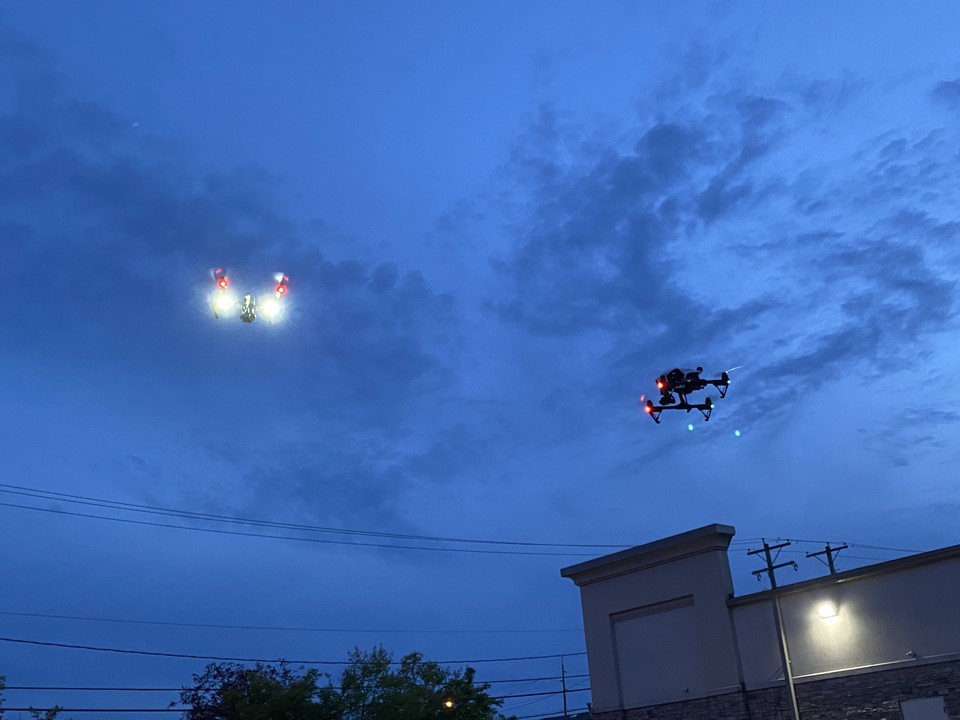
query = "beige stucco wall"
x=627 y=612
x=881 y=617
x=661 y=624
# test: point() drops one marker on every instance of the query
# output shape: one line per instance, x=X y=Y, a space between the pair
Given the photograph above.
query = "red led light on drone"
x=222 y=282
x=647 y=409
x=281 y=289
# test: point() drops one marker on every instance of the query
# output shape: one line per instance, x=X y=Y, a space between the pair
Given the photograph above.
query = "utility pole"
x=829 y=552
x=563 y=682
x=778 y=618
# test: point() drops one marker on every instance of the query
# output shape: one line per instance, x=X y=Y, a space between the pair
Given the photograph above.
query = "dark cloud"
x=111 y=234
x=915 y=432
x=610 y=236
x=120 y=230
x=947 y=91
x=824 y=97
x=603 y=240
x=353 y=480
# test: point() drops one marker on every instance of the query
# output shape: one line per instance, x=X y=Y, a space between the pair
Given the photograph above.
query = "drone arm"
x=721 y=384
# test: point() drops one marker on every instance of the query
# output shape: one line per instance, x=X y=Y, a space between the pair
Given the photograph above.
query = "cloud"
x=108 y=236
x=947 y=91
x=116 y=232
x=625 y=247
x=605 y=238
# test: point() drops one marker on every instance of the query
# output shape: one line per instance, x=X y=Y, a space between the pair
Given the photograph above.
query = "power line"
x=181 y=709
x=190 y=514
x=190 y=656
x=100 y=710
x=845 y=555
x=536 y=694
x=187 y=707
x=275 y=628
x=297 y=539
x=39 y=493
x=75 y=688
x=549 y=714
x=750 y=541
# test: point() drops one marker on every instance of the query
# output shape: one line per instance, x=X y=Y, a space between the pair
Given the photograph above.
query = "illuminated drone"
x=679 y=383
x=225 y=303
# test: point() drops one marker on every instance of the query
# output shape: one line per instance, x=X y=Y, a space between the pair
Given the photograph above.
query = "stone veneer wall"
x=864 y=696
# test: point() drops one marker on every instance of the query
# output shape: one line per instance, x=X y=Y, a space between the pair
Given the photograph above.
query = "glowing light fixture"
x=736 y=433
x=690 y=426
x=827 y=610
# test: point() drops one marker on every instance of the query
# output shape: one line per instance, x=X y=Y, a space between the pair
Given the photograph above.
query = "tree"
x=416 y=690
x=228 y=691
x=50 y=714
x=369 y=689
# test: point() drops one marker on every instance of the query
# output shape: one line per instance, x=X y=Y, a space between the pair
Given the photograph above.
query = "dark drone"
x=678 y=383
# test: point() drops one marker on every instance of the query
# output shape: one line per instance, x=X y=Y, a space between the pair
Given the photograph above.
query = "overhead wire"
x=39 y=493
x=77 y=688
x=222 y=658
x=551 y=714
x=323 y=541
x=279 y=628
x=124 y=506
x=576 y=688
x=864 y=546
x=540 y=695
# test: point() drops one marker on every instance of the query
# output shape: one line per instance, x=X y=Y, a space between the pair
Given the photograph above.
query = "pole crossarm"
x=830 y=552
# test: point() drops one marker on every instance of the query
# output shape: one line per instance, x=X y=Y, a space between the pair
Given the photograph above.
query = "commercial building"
x=667 y=640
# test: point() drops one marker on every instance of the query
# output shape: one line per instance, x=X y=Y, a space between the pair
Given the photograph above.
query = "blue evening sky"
x=501 y=221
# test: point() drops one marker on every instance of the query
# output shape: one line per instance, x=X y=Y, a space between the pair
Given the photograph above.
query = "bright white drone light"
x=271 y=308
x=224 y=303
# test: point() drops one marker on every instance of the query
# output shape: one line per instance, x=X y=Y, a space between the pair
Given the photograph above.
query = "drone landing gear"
x=653 y=411
x=705 y=408
x=724 y=384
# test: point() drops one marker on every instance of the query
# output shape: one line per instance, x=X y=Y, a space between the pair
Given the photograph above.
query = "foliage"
x=228 y=691
x=370 y=688
x=50 y=714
